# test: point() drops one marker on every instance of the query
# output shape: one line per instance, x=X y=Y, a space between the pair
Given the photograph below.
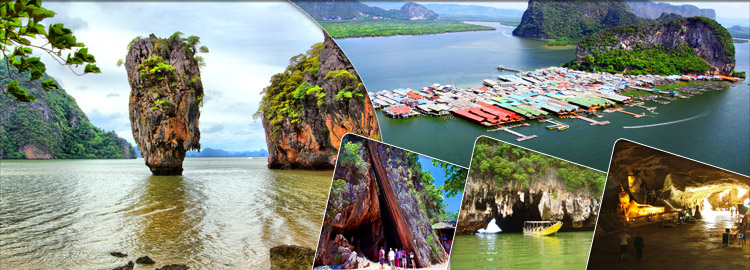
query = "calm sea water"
x=567 y=250
x=717 y=132
x=223 y=213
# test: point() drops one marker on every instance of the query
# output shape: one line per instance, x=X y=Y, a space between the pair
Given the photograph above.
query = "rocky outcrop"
x=414 y=12
x=53 y=126
x=678 y=180
x=547 y=198
x=709 y=41
x=552 y=19
x=304 y=128
x=651 y=10
x=374 y=204
x=166 y=93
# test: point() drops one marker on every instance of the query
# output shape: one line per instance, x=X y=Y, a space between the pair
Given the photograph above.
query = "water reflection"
x=168 y=213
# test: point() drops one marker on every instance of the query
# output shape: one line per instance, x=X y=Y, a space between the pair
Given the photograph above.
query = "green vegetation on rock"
x=343 y=29
x=54 y=126
x=506 y=164
x=654 y=60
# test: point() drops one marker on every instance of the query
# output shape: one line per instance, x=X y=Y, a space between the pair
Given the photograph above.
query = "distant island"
x=211 y=152
x=344 y=19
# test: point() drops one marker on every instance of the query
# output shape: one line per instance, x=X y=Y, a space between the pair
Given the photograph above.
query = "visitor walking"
x=381 y=257
x=638 y=243
x=623 y=244
x=391 y=257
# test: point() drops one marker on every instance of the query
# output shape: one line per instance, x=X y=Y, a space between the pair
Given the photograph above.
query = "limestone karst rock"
x=165 y=98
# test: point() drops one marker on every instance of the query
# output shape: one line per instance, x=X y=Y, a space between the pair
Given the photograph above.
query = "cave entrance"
x=390 y=229
x=366 y=240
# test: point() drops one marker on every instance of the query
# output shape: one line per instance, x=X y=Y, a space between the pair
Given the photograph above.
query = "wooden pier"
x=630 y=113
x=501 y=68
x=555 y=124
x=593 y=122
x=520 y=138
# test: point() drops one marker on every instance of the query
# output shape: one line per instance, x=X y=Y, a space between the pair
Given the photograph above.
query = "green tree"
x=455 y=177
x=20 y=21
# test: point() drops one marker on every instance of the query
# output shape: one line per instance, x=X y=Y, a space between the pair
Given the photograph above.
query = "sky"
x=454 y=203
x=248 y=43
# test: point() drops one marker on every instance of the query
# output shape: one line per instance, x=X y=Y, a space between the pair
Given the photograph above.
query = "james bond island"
x=165 y=99
x=525 y=210
x=658 y=206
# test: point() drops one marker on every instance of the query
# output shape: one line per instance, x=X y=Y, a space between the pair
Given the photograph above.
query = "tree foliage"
x=20 y=22
x=393 y=28
x=506 y=164
x=455 y=177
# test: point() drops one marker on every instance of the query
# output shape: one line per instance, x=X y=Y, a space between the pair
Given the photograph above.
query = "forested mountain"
x=51 y=127
x=651 y=10
x=549 y=19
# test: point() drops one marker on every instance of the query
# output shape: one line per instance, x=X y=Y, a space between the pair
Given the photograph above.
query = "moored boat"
x=541 y=228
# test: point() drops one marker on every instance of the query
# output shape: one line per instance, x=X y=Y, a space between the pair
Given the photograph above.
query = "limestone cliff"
x=513 y=185
x=378 y=200
x=700 y=36
x=166 y=94
x=310 y=106
x=53 y=126
x=552 y=19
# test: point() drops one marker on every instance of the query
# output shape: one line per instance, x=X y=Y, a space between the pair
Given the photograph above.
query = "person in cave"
x=623 y=244
x=403 y=258
x=381 y=257
x=638 y=243
x=391 y=257
x=411 y=258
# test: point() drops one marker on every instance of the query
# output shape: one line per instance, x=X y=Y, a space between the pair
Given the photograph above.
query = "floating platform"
x=520 y=138
x=593 y=122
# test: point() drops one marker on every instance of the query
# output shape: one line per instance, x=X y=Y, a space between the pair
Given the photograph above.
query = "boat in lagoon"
x=542 y=228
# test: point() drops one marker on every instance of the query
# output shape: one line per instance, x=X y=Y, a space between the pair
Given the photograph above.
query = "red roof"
x=503 y=114
x=465 y=113
x=487 y=116
x=483 y=103
x=401 y=110
x=483 y=88
x=414 y=96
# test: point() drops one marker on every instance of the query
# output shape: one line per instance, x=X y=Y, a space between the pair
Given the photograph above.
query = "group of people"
x=396 y=258
x=637 y=242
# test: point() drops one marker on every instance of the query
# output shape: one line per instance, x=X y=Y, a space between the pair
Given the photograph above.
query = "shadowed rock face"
x=675 y=179
x=376 y=204
x=164 y=102
x=312 y=140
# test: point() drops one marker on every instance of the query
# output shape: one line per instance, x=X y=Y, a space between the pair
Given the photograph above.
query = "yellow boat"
x=541 y=227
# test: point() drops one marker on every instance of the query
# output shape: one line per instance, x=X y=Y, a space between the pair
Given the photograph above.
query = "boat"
x=541 y=228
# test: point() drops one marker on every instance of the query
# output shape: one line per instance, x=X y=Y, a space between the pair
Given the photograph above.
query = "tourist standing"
x=638 y=243
x=398 y=259
x=381 y=257
x=623 y=244
x=403 y=258
x=391 y=257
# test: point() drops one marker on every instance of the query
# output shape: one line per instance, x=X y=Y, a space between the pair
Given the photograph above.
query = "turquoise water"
x=716 y=134
x=223 y=213
x=567 y=250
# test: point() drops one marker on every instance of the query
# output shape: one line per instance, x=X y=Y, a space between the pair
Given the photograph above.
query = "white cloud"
x=248 y=42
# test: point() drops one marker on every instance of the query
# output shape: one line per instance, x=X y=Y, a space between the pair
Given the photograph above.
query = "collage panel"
x=663 y=211
x=525 y=210
x=389 y=208
x=200 y=143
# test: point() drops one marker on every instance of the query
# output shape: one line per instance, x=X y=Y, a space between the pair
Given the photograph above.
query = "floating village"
x=511 y=100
